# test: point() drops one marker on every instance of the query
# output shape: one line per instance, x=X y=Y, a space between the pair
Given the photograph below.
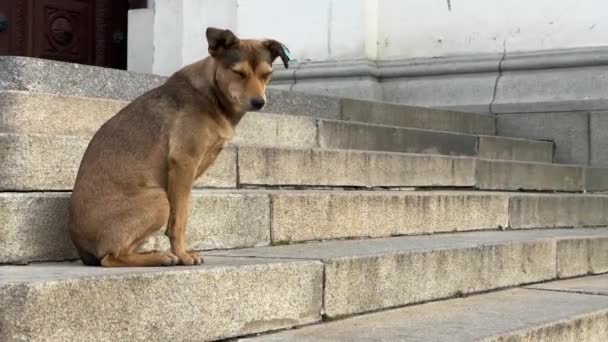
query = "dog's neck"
x=206 y=85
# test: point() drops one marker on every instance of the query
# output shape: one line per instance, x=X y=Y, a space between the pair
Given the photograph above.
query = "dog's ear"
x=277 y=49
x=220 y=40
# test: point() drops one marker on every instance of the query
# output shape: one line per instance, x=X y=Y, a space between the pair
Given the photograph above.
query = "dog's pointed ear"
x=220 y=40
x=277 y=49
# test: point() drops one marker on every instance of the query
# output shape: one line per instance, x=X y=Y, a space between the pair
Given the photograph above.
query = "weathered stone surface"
x=39 y=113
x=286 y=102
x=493 y=147
x=594 y=285
x=346 y=135
x=598 y=139
x=272 y=166
x=417 y=117
x=34 y=226
x=276 y=130
x=550 y=89
x=422 y=268
x=469 y=92
x=224 y=298
x=569 y=131
x=596 y=179
x=576 y=257
x=513 y=175
x=559 y=210
x=308 y=215
x=46 y=162
x=512 y=315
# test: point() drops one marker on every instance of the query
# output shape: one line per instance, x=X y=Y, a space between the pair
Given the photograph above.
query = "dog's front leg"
x=182 y=172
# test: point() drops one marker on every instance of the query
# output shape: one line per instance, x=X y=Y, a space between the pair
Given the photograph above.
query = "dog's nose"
x=258 y=103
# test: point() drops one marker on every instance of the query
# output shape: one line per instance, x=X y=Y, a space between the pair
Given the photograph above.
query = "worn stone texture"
x=224 y=298
x=512 y=315
x=347 y=135
x=598 y=138
x=34 y=226
x=276 y=130
x=272 y=166
x=423 y=268
x=301 y=216
x=493 y=147
x=39 y=113
x=593 y=285
x=51 y=162
x=513 y=175
x=417 y=117
x=576 y=257
x=569 y=131
x=468 y=92
x=558 y=210
x=548 y=89
x=596 y=179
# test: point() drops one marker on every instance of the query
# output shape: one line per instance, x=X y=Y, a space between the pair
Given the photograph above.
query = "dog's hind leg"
x=119 y=244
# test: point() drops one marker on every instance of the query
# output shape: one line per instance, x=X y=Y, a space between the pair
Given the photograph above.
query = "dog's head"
x=244 y=67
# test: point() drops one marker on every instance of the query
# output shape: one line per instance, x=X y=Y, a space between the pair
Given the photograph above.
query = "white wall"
x=320 y=30
x=428 y=28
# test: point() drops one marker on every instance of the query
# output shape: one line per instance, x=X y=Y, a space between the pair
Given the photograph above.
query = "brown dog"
x=137 y=173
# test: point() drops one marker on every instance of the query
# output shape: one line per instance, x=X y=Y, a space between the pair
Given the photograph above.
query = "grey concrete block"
x=223 y=298
x=25 y=112
x=417 y=117
x=318 y=215
x=46 y=162
x=285 y=102
x=345 y=135
x=39 y=113
x=423 y=268
x=494 y=147
x=46 y=76
x=549 y=90
x=512 y=315
x=596 y=179
x=366 y=88
x=559 y=210
x=569 y=131
x=33 y=226
x=593 y=285
x=272 y=166
x=513 y=175
x=598 y=139
x=457 y=90
x=576 y=257
x=276 y=130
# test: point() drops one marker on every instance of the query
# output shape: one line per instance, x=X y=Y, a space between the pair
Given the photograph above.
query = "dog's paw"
x=190 y=258
x=169 y=259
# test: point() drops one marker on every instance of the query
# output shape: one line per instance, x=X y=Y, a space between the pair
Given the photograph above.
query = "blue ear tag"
x=286 y=52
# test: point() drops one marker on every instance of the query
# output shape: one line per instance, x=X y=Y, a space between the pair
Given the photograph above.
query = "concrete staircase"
x=334 y=209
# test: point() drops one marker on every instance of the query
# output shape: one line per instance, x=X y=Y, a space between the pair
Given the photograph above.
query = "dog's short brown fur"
x=137 y=173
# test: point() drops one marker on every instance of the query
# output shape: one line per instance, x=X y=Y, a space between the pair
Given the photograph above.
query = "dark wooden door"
x=79 y=31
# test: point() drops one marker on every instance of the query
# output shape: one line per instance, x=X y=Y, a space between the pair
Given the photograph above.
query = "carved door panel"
x=63 y=30
x=80 y=31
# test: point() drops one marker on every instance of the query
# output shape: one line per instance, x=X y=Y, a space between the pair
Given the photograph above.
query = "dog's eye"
x=240 y=73
x=266 y=76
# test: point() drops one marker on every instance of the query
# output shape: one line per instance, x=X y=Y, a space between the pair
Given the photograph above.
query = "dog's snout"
x=258 y=103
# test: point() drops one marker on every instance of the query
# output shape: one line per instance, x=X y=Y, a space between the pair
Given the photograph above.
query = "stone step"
x=33 y=226
x=44 y=76
x=375 y=274
x=44 y=162
x=227 y=297
x=26 y=112
x=249 y=291
x=418 y=117
x=573 y=310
